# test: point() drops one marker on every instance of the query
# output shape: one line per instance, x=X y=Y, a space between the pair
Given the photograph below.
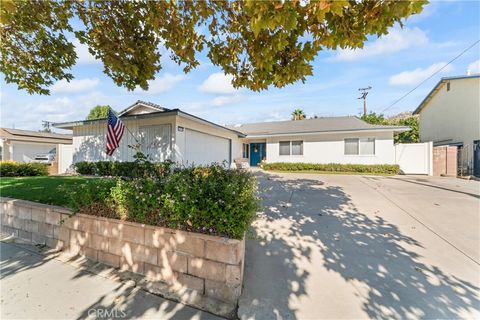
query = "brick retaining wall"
x=211 y=266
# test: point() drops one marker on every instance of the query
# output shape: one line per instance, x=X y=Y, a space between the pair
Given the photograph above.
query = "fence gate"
x=414 y=158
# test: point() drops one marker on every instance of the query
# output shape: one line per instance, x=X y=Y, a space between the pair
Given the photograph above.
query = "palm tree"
x=298 y=114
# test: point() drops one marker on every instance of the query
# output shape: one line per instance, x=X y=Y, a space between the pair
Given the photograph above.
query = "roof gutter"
x=268 y=135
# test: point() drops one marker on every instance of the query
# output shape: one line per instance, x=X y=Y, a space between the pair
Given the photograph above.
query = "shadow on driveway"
x=315 y=255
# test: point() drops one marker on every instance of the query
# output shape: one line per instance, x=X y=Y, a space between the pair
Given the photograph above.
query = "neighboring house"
x=450 y=116
x=25 y=145
x=176 y=135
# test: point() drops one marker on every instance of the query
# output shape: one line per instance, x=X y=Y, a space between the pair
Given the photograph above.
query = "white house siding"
x=89 y=141
x=329 y=148
x=453 y=116
x=202 y=149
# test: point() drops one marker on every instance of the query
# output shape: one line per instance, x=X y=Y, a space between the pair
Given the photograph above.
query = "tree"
x=99 y=112
x=411 y=136
x=259 y=43
x=403 y=119
x=298 y=114
x=373 y=118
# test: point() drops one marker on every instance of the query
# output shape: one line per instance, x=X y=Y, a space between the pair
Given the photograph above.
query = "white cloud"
x=474 y=67
x=218 y=83
x=396 y=40
x=56 y=109
x=83 y=55
x=224 y=100
x=417 y=75
x=74 y=86
x=161 y=84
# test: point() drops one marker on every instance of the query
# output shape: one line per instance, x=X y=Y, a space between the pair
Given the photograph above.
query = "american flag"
x=114 y=132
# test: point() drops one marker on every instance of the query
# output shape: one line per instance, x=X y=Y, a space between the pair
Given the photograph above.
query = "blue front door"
x=257 y=153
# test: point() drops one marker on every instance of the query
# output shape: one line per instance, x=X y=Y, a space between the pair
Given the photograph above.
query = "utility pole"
x=46 y=126
x=364 y=93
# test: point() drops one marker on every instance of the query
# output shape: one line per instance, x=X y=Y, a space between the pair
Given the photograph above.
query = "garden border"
x=210 y=267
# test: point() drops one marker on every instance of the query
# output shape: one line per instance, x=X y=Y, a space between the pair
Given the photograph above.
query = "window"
x=246 y=151
x=288 y=148
x=356 y=146
x=351 y=146
x=284 y=148
x=367 y=146
x=297 y=148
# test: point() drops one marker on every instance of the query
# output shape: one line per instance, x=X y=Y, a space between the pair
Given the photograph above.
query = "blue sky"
x=392 y=65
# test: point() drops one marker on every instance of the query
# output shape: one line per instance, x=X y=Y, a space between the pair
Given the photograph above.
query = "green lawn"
x=48 y=190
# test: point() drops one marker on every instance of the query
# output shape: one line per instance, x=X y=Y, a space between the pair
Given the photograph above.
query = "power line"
x=431 y=76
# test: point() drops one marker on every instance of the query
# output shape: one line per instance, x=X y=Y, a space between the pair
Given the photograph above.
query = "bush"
x=85 y=167
x=19 y=169
x=211 y=199
x=334 y=167
x=130 y=169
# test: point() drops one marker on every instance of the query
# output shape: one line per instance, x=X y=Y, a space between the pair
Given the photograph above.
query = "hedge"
x=20 y=169
x=122 y=169
x=334 y=167
x=211 y=199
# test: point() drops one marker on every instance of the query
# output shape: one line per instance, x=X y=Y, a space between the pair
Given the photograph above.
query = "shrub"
x=19 y=169
x=95 y=191
x=84 y=167
x=334 y=167
x=211 y=199
x=132 y=169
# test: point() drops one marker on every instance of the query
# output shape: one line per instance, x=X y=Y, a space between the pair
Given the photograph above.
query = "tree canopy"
x=259 y=43
x=298 y=114
x=98 y=112
x=404 y=119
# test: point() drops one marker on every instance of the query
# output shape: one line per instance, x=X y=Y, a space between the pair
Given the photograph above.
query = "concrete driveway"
x=344 y=246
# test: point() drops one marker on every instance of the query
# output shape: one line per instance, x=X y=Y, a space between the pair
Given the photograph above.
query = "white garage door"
x=26 y=152
x=204 y=149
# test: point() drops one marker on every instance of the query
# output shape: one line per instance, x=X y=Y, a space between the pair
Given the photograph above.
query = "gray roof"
x=30 y=133
x=323 y=124
x=145 y=103
x=437 y=87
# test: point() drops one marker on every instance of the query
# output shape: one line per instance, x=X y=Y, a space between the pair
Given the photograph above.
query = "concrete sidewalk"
x=362 y=247
x=36 y=287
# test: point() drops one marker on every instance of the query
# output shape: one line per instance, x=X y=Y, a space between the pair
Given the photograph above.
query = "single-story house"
x=184 y=138
x=24 y=145
x=450 y=116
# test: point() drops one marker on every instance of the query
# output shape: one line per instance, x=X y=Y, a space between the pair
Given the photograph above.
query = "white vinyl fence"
x=64 y=157
x=415 y=158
